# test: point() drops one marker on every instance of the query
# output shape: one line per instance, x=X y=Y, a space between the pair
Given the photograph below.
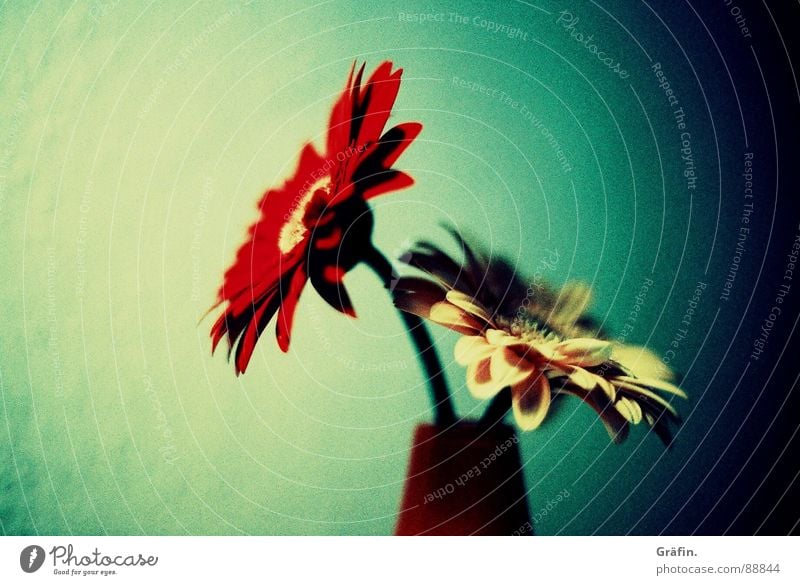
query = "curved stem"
x=440 y=395
x=417 y=330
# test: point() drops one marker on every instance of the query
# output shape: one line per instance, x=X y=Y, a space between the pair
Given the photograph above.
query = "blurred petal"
x=642 y=362
x=615 y=424
x=508 y=368
x=654 y=383
x=471 y=348
x=383 y=182
x=412 y=303
x=581 y=377
x=501 y=338
x=479 y=380
x=385 y=152
x=420 y=286
x=435 y=264
x=469 y=304
x=645 y=392
x=636 y=408
x=585 y=352
x=548 y=353
x=607 y=387
x=573 y=301
x=416 y=295
x=455 y=318
x=629 y=409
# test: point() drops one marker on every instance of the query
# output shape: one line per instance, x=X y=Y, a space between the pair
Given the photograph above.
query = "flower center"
x=527 y=329
x=295 y=230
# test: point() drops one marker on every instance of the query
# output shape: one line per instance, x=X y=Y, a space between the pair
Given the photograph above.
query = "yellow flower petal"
x=530 y=401
x=644 y=392
x=479 y=380
x=636 y=408
x=581 y=377
x=508 y=368
x=662 y=385
x=546 y=352
x=585 y=352
x=471 y=348
x=572 y=302
x=498 y=337
x=455 y=318
x=641 y=361
x=468 y=304
x=630 y=409
x=623 y=407
x=607 y=387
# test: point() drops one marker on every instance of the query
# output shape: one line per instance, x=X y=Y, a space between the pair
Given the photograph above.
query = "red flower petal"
x=259 y=262
x=283 y=327
x=376 y=102
x=388 y=149
x=245 y=329
x=385 y=182
x=252 y=332
x=341 y=114
x=329 y=241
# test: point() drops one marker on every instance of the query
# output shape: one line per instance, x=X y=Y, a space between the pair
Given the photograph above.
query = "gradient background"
x=137 y=137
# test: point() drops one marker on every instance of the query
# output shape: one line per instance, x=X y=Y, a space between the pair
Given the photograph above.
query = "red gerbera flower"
x=317 y=226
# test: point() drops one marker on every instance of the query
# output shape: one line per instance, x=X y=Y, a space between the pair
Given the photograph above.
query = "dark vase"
x=465 y=479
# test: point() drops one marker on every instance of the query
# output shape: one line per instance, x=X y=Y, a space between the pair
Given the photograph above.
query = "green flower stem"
x=444 y=414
